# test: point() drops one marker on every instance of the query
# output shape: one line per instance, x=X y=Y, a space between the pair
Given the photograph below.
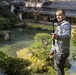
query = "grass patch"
x=42 y=26
x=36 y=25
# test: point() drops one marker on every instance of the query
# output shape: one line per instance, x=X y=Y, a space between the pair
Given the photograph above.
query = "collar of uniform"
x=59 y=23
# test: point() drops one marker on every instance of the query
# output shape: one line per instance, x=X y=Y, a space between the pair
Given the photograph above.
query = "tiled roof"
x=14 y=1
x=21 y=4
x=68 y=6
x=63 y=5
x=21 y=9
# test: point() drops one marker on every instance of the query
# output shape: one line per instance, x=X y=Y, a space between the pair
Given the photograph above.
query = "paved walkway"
x=74 y=26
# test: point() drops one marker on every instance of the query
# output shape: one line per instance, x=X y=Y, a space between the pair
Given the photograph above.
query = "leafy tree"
x=6 y=14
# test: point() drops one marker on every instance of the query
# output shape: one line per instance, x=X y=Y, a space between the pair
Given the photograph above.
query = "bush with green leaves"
x=42 y=45
x=74 y=42
x=74 y=37
x=4 y=23
x=13 y=66
x=6 y=13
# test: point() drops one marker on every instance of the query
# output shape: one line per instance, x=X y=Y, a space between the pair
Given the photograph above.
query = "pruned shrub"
x=42 y=45
x=13 y=66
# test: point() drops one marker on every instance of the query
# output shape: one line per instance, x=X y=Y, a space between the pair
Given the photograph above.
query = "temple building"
x=17 y=6
x=44 y=11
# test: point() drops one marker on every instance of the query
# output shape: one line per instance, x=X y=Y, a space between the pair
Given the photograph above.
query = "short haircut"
x=61 y=10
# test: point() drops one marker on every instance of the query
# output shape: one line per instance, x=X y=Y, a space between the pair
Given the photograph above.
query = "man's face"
x=60 y=16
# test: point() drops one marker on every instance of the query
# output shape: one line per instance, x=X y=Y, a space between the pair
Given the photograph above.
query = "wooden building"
x=17 y=6
x=68 y=6
x=48 y=9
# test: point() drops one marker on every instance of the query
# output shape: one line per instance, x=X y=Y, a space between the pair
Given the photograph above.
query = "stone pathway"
x=74 y=26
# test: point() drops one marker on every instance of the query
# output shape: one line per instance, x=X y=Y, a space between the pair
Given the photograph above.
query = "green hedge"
x=4 y=23
x=9 y=16
x=42 y=45
x=13 y=66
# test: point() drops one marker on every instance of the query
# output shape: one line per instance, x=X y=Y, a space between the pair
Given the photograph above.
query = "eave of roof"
x=70 y=5
x=68 y=14
x=61 y=7
x=11 y=1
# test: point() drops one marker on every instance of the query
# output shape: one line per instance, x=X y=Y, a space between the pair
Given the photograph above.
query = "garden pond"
x=22 y=38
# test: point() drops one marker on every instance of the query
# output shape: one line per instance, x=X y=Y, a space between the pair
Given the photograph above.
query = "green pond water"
x=20 y=38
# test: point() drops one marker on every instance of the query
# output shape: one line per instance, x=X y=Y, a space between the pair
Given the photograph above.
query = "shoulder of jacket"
x=65 y=23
